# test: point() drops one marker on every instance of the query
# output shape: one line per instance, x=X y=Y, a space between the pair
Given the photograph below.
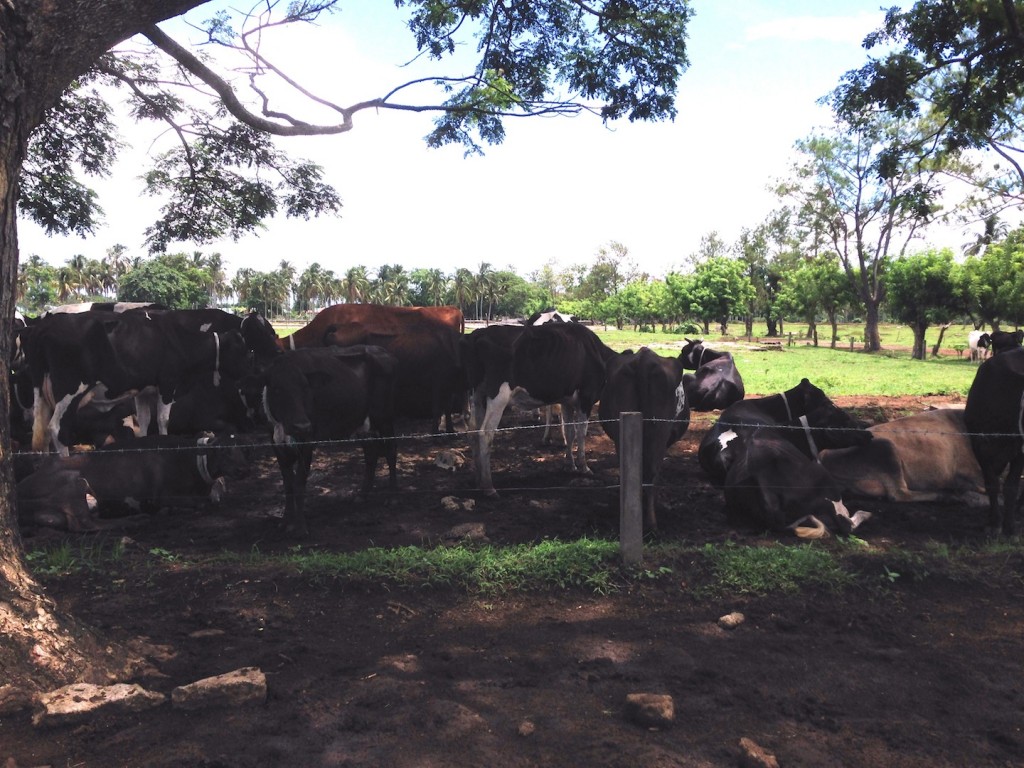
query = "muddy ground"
x=924 y=669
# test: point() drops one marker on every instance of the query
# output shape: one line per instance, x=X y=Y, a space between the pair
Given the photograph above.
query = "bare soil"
x=924 y=670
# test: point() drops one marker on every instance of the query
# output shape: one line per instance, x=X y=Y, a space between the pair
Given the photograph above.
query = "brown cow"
x=375 y=318
x=923 y=457
x=429 y=381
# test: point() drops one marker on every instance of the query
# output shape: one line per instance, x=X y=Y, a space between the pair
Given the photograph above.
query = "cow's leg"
x=991 y=470
x=145 y=408
x=576 y=445
x=299 y=527
x=1011 y=499
x=59 y=409
x=163 y=415
x=486 y=417
x=42 y=414
x=549 y=415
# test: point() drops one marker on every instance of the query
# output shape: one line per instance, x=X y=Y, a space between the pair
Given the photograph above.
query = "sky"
x=558 y=190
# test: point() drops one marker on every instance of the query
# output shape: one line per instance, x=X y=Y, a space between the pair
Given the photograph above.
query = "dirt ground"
x=926 y=672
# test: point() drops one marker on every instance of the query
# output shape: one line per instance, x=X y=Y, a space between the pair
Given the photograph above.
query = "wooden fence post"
x=631 y=524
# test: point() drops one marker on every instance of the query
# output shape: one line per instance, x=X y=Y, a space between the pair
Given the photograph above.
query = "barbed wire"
x=246 y=441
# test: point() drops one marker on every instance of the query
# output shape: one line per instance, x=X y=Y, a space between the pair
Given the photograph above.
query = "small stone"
x=651 y=710
x=526 y=728
x=731 y=620
x=80 y=701
x=243 y=686
x=753 y=755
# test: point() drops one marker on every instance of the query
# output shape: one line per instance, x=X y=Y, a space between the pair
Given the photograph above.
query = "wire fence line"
x=359 y=440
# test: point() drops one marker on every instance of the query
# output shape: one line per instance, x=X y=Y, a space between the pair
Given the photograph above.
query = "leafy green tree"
x=716 y=290
x=171 y=279
x=867 y=201
x=224 y=176
x=37 y=285
x=957 y=62
x=921 y=292
x=995 y=282
x=427 y=287
x=817 y=286
x=515 y=297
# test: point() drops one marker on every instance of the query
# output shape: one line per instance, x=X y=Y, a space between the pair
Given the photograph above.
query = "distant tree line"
x=767 y=279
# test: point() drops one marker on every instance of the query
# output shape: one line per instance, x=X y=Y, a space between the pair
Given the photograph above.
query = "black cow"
x=646 y=382
x=718 y=447
x=716 y=382
x=994 y=417
x=1003 y=341
x=156 y=471
x=128 y=355
x=776 y=482
x=560 y=363
x=328 y=393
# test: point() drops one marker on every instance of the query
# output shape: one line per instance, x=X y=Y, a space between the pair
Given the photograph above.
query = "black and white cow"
x=328 y=393
x=540 y=365
x=718 y=446
x=156 y=471
x=994 y=417
x=776 y=482
x=978 y=344
x=716 y=382
x=121 y=355
x=645 y=382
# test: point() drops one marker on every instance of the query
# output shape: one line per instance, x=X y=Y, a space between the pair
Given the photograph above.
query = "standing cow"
x=540 y=365
x=652 y=385
x=994 y=417
x=328 y=393
x=429 y=381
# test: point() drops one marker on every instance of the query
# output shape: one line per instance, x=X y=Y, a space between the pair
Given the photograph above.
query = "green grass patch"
x=774 y=568
x=837 y=371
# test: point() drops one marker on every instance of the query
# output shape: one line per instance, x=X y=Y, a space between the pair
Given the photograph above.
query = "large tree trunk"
x=44 y=46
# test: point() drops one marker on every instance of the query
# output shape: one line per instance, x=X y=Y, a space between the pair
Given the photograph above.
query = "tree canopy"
x=959 y=63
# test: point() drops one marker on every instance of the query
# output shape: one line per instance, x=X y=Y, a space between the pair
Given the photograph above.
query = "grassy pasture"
x=838 y=371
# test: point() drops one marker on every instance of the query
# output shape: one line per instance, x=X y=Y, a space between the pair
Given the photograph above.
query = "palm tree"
x=994 y=231
x=462 y=286
x=435 y=286
x=355 y=284
x=483 y=285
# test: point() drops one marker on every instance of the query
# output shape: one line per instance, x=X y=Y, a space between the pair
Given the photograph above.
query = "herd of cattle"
x=170 y=401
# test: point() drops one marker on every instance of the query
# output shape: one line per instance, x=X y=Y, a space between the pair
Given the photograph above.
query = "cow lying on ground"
x=994 y=417
x=56 y=497
x=540 y=365
x=716 y=383
x=646 y=382
x=328 y=393
x=156 y=471
x=923 y=457
x=719 y=446
x=776 y=482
